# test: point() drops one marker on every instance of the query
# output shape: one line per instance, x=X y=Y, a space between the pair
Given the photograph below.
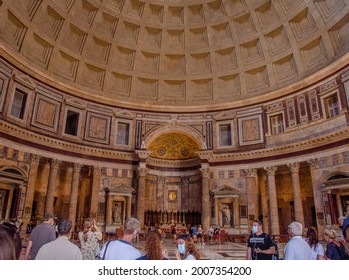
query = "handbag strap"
x=105 y=250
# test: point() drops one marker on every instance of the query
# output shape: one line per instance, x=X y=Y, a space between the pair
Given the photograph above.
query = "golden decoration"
x=174 y=146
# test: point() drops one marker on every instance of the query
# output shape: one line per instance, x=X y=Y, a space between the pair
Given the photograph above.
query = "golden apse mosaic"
x=174 y=146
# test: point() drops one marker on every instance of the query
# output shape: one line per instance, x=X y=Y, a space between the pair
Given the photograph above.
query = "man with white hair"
x=297 y=248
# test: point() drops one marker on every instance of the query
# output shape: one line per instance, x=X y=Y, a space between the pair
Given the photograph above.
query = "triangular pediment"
x=225 y=189
x=123 y=114
x=26 y=81
x=225 y=115
x=75 y=103
x=121 y=189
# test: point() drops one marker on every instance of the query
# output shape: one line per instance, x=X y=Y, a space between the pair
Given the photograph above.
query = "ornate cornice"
x=283 y=151
x=34 y=139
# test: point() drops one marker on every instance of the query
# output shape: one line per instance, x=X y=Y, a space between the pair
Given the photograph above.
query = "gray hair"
x=132 y=225
x=297 y=228
x=64 y=226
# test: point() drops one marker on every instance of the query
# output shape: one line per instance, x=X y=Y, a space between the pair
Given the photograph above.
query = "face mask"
x=181 y=248
x=254 y=229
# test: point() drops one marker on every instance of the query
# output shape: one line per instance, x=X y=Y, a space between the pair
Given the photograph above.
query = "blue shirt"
x=193 y=230
x=120 y=250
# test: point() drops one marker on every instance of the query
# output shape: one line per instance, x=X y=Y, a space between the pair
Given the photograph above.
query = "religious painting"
x=117 y=212
x=172 y=195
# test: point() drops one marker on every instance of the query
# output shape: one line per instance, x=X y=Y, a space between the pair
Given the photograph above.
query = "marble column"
x=264 y=204
x=274 y=216
x=96 y=183
x=129 y=206
x=339 y=203
x=251 y=186
x=297 y=197
x=216 y=211
x=74 y=192
x=205 y=215
x=317 y=193
x=34 y=164
x=236 y=213
x=141 y=194
x=51 y=188
x=160 y=194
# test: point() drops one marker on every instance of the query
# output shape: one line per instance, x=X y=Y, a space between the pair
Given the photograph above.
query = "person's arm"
x=98 y=232
x=29 y=247
x=271 y=250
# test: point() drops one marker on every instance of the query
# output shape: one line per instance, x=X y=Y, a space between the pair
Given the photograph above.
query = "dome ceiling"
x=177 y=53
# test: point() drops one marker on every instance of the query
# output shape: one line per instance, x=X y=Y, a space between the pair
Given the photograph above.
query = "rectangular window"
x=18 y=104
x=72 y=123
x=277 y=124
x=225 y=138
x=332 y=106
x=123 y=131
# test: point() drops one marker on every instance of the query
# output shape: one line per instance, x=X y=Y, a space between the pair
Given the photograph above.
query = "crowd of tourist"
x=47 y=242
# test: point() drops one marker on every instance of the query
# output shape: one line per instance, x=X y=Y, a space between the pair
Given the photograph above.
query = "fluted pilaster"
x=274 y=217
x=51 y=188
x=34 y=164
x=251 y=186
x=297 y=197
x=74 y=192
x=205 y=216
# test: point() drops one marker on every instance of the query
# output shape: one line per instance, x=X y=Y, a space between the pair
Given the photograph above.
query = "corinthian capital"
x=77 y=167
x=34 y=158
x=141 y=171
x=250 y=172
x=314 y=163
x=161 y=179
x=97 y=170
x=205 y=172
x=271 y=170
x=294 y=167
x=55 y=163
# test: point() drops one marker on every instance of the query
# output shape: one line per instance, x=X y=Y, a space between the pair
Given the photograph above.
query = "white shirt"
x=317 y=250
x=297 y=249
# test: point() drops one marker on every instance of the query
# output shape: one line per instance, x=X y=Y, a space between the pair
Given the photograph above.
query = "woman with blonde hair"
x=186 y=248
x=153 y=247
x=89 y=239
x=335 y=250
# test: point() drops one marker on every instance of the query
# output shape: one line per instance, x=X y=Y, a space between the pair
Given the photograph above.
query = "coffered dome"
x=179 y=53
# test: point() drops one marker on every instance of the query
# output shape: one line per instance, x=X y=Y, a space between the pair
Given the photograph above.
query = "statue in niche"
x=226 y=216
x=117 y=212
